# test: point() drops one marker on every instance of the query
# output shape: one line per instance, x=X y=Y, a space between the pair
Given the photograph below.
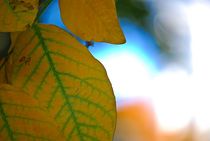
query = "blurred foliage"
x=134 y=10
x=173 y=45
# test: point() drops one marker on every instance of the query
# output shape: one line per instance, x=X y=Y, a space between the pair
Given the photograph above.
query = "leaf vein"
x=39 y=87
x=106 y=112
x=60 y=110
x=6 y=122
x=63 y=44
x=87 y=83
x=52 y=98
x=33 y=72
x=75 y=61
x=22 y=106
x=90 y=137
x=57 y=78
x=96 y=127
x=66 y=123
x=31 y=136
x=70 y=134
x=28 y=119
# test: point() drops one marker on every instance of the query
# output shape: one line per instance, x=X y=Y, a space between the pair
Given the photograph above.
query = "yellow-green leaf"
x=21 y=118
x=17 y=15
x=92 y=20
x=61 y=73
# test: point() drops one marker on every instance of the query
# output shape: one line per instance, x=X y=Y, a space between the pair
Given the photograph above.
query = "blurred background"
x=161 y=76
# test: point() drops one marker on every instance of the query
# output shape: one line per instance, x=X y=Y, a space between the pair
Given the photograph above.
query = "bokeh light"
x=132 y=65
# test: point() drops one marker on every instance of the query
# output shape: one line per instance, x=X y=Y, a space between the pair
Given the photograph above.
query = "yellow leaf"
x=61 y=73
x=21 y=118
x=92 y=20
x=13 y=38
x=17 y=15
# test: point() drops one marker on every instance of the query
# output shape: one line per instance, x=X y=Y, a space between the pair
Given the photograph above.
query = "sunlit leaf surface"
x=17 y=15
x=92 y=20
x=61 y=73
x=21 y=118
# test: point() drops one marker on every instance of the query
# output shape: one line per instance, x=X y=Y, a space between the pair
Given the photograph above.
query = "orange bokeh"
x=137 y=122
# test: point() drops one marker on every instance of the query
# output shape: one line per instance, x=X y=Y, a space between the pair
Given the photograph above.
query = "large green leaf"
x=17 y=15
x=66 y=79
x=21 y=118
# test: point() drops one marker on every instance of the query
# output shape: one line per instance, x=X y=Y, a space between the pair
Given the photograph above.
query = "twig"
x=43 y=7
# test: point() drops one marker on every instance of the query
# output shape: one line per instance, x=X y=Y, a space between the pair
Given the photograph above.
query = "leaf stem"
x=43 y=7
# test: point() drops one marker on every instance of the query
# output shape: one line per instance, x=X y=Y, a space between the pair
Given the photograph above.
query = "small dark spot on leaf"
x=27 y=26
x=21 y=5
x=25 y=60
x=22 y=59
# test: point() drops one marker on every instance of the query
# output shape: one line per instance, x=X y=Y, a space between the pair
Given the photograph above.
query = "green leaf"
x=92 y=20
x=17 y=15
x=56 y=69
x=22 y=119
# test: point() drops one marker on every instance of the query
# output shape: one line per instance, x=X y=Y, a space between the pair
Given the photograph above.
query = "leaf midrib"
x=56 y=76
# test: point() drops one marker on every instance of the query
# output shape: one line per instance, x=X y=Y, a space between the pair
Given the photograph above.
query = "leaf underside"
x=56 y=69
x=92 y=20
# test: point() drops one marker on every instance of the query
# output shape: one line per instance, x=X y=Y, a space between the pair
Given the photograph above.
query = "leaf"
x=22 y=119
x=92 y=20
x=61 y=73
x=17 y=15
